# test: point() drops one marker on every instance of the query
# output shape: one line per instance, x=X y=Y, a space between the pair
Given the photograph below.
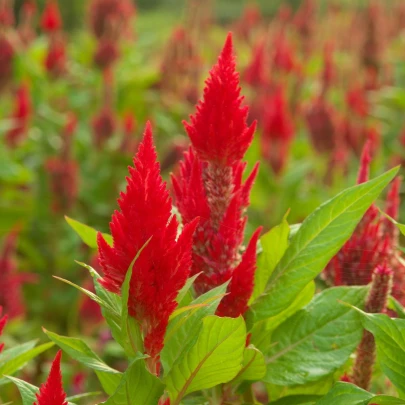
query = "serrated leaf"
x=215 y=358
x=78 y=350
x=87 y=234
x=182 y=331
x=319 y=238
x=274 y=244
x=137 y=387
x=17 y=362
x=253 y=366
x=318 y=339
x=389 y=335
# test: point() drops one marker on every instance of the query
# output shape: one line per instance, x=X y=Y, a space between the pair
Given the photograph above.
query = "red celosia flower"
x=277 y=131
x=106 y=54
x=128 y=141
x=26 y=27
x=21 y=115
x=163 y=266
x=210 y=186
x=370 y=245
x=3 y=321
x=328 y=73
x=55 y=61
x=357 y=102
x=249 y=20
x=283 y=58
x=103 y=126
x=255 y=73
x=218 y=129
x=6 y=13
x=11 y=295
x=51 y=20
x=51 y=392
x=6 y=61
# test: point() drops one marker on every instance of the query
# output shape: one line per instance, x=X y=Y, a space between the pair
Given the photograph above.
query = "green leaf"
x=78 y=350
x=297 y=400
x=137 y=387
x=262 y=331
x=87 y=234
x=274 y=244
x=318 y=339
x=389 y=336
x=78 y=397
x=215 y=358
x=9 y=354
x=401 y=227
x=182 y=331
x=345 y=394
x=318 y=239
x=27 y=391
x=396 y=306
x=131 y=336
x=186 y=288
x=253 y=366
x=17 y=362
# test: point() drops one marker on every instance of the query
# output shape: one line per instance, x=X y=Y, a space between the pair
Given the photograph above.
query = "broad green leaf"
x=215 y=358
x=253 y=366
x=137 y=387
x=17 y=362
x=297 y=400
x=389 y=336
x=182 y=331
x=318 y=339
x=274 y=244
x=9 y=354
x=87 y=234
x=27 y=391
x=78 y=350
x=261 y=331
x=78 y=397
x=131 y=336
x=318 y=239
x=396 y=306
x=345 y=394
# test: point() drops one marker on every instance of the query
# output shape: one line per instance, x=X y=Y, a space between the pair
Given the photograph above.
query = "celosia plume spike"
x=51 y=20
x=218 y=129
x=3 y=321
x=241 y=286
x=365 y=160
x=164 y=264
x=51 y=392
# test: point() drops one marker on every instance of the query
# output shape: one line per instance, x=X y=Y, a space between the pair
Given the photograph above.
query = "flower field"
x=200 y=202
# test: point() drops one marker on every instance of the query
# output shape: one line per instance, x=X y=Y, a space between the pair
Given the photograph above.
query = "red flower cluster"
x=103 y=126
x=21 y=116
x=51 y=392
x=210 y=186
x=51 y=20
x=255 y=72
x=163 y=266
x=6 y=60
x=277 y=131
x=372 y=244
x=55 y=60
x=106 y=53
x=3 y=321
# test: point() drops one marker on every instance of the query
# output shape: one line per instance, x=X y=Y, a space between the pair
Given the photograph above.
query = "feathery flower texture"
x=163 y=266
x=210 y=186
x=51 y=392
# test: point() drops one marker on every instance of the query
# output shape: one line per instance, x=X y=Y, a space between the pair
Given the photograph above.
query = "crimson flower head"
x=164 y=264
x=6 y=60
x=103 y=124
x=51 y=392
x=357 y=102
x=284 y=58
x=218 y=129
x=3 y=321
x=55 y=60
x=209 y=185
x=255 y=73
x=6 y=14
x=51 y=20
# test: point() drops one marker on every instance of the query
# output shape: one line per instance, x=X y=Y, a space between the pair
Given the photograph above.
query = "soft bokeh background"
x=165 y=51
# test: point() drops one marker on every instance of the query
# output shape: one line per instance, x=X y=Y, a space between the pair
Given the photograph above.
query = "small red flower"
x=103 y=126
x=106 y=54
x=283 y=58
x=6 y=61
x=218 y=129
x=51 y=392
x=164 y=265
x=51 y=20
x=3 y=321
x=255 y=72
x=55 y=61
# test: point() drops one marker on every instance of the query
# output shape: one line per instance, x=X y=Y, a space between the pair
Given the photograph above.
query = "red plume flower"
x=21 y=115
x=218 y=129
x=51 y=392
x=106 y=54
x=103 y=126
x=6 y=60
x=55 y=61
x=255 y=72
x=51 y=20
x=3 y=321
x=162 y=268
x=6 y=13
x=277 y=132
x=210 y=186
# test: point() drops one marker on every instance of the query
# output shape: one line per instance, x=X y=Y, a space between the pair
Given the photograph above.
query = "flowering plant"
x=201 y=319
